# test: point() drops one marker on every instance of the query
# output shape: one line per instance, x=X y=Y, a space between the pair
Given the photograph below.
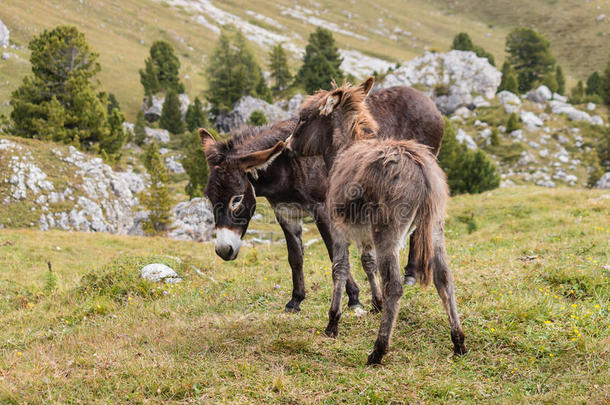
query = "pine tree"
x=195 y=116
x=257 y=118
x=232 y=72
x=162 y=70
x=59 y=101
x=278 y=66
x=561 y=80
x=112 y=103
x=262 y=90
x=594 y=84
x=550 y=81
x=462 y=42
x=321 y=62
x=156 y=199
x=494 y=138
x=171 y=117
x=509 y=79
x=513 y=123
x=512 y=83
x=139 y=129
x=605 y=85
x=467 y=171
x=115 y=136
x=506 y=70
x=578 y=93
x=195 y=165
x=530 y=54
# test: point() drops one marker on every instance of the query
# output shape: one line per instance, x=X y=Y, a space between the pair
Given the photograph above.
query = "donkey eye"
x=236 y=202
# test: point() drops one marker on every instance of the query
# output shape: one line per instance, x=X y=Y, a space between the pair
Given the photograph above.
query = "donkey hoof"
x=374 y=358
x=332 y=331
x=409 y=280
x=377 y=307
x=291 y=309
x=459 y=350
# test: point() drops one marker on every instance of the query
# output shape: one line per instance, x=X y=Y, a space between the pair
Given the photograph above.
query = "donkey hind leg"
x=323 y=224
x=443 y=280
x=387 y=246
x=341 y=269
x=369 y=264
x=412 y=266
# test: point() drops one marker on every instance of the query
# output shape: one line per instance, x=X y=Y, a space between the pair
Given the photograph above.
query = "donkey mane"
x=248 y=139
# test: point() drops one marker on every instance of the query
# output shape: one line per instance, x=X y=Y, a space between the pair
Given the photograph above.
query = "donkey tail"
x=431 y=217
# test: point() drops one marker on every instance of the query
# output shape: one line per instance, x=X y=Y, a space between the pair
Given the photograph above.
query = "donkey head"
x=230 y=191
x=330 y=119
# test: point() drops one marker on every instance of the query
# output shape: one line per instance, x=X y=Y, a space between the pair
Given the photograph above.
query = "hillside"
x=372 y=35
x=532 y=289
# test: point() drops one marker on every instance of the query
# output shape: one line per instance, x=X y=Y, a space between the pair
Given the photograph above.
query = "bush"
x=257 y=118
x=467 y=171
x=156 y=198
x=509 y=79
x=195 y=116
x=578 y=93
x=561 y=80
x=195 y=165
x=513 y=123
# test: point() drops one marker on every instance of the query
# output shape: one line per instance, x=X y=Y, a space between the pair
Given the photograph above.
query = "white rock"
x=4 y=35
x=604 y=181
x=192 y=220
x=464 y=74
x=543 y=153
x=541 y=95
x=243 y=110
x=558 y=107
x=160 y=272
x=466 y=139
x=526 y=158
x=463 y=112
x=559 y=97
x=530 y=120
x=597 y=120
x=159 y=135
x=480 y=102
x=600 y=18
x=174 y=164
x=590 y=106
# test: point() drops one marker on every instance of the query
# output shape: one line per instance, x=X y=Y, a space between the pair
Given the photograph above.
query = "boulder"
x=531 y=120
x=460 y=75
x=243 y=110
x=158 y=135
x=174 y=164
x=510 y=101
x=541 y=95
x=558 y=107
x=4 y=35
x=559 y=97
x=604 y=181
x=193 y=220
x=160 y=273
x=590 y=106
x=465 y=139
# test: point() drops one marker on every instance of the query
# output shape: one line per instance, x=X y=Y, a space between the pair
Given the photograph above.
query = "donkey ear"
x=368 y=85
x=207 y=140
x=332 y=101
x=258 y=160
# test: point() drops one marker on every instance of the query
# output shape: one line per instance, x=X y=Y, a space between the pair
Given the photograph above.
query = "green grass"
x=532 y=293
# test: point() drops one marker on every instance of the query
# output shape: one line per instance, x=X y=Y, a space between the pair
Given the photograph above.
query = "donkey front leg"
x=389 y=267
x=341 y=270
x=323 y=224
x=443 y=281
x=292 y=233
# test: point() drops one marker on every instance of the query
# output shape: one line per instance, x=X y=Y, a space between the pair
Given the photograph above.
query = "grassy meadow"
x=533 y=289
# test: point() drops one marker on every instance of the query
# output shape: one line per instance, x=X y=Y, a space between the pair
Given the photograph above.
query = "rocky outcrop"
x=510 y=101
x=243 y=110
x=451 y=79
x=192 y=220
x=174 y=164
x=157 y=135
x=4 y=35
x=574 y=114
x=541 y=95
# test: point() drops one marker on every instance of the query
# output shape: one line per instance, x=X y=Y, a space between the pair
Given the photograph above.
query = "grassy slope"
x=580 y=43
x=537 y=330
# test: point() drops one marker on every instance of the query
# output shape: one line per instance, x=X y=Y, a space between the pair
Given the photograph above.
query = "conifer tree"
x=156 y=198
x=59 y=101
x=462 y=42
x=161 y=72
x=139 y=129
x=513 y=123
x=577 y=94
x=530 y=55
x=561 y=80
x=509 y=79
x=550 y=81
x=321 y=62
x=278 y=66
x=195 y=116
x=605 y=85
x=171 y=117
x=594 y=84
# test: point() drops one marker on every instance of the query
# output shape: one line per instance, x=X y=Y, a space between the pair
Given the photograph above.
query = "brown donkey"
x=380 y=191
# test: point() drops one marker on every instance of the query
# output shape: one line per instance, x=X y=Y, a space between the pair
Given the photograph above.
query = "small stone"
x=160 y=272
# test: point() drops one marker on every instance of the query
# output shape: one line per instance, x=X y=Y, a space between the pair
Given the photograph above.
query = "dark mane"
x=251 y=139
